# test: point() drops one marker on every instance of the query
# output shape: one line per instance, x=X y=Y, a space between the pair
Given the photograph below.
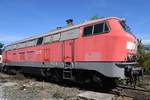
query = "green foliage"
x=140 y=47
x=143 y=57
x=102 y=17
x=147 y=72
x=1 y=46
x=96 y=17
x=121 y=81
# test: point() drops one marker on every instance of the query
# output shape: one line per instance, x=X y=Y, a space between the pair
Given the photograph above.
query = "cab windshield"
x=125 y=27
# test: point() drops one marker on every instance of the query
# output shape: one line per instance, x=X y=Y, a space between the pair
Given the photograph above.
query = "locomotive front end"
x=132 y=72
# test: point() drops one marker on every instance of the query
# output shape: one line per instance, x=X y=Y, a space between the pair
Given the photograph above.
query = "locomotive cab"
x=132 y=72
x=110 y=48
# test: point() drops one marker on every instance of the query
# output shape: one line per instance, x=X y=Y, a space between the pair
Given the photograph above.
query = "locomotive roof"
x=64 y=29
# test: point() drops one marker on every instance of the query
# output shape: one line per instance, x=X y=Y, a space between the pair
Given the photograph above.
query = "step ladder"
x=67 y=70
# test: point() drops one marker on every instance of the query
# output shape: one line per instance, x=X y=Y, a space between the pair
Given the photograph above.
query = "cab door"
x=46 y=54
x=68 y=50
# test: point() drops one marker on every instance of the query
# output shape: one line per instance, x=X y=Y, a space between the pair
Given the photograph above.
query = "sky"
x=20 y=19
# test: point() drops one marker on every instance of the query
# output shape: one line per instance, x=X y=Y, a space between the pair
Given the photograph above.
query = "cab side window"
x=107 y=29
x=40 y=40
x=88 y=31
x=99 y=28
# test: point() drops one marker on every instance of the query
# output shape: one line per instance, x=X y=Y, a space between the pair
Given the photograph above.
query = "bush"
x=147 y=72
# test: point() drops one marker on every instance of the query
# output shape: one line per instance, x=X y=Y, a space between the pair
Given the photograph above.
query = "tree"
x=1 y=46
x=143 y=57
x=97 y=17
x=102 y=17
x=140 y=47
x=146 y=60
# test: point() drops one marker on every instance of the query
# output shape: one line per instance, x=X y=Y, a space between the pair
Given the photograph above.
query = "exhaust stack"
x=69 y=22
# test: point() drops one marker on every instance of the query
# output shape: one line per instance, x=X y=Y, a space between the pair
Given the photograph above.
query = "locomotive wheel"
x=45 y=72
x=98 y=81
x=104 y=82
x=57 y=75
x=110 y=83
x=5 y=69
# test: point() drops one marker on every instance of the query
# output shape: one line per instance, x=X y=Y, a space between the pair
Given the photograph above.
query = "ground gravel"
x=18 y=87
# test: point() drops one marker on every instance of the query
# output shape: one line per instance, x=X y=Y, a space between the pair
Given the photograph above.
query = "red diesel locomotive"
x=99 y=51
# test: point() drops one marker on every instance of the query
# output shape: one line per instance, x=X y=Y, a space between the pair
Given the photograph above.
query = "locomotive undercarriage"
x=83 y=76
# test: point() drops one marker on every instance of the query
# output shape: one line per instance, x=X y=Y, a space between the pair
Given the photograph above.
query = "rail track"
x=131 y=92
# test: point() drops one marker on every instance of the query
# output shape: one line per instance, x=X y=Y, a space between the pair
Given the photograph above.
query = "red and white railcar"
x=90 y=50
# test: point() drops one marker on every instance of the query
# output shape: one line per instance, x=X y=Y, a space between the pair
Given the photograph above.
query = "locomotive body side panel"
x=56 y=52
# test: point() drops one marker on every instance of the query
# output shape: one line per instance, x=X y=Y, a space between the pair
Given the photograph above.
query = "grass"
x=144 y=81
x=143 y=85
x=19 y=77
x=57 y=95
x=44 y=87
